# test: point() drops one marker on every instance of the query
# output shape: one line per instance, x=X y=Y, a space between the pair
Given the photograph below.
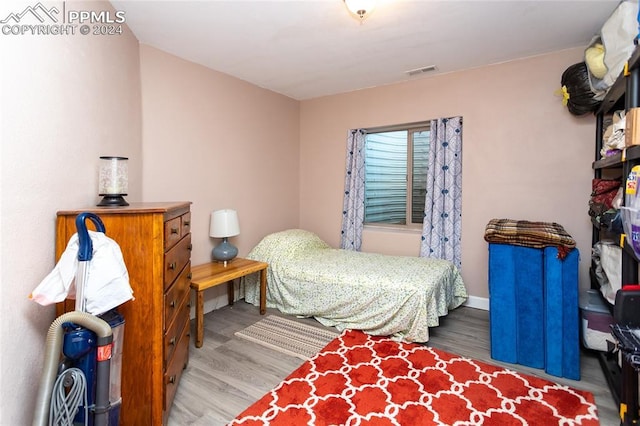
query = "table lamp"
x=224 y=224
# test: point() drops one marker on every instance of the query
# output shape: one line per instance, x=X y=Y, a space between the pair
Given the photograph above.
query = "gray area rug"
x=288 y=336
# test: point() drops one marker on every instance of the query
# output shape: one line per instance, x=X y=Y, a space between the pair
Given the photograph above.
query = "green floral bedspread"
x=396 y=296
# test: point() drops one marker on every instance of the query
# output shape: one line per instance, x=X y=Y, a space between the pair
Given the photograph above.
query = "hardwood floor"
x=228 y=374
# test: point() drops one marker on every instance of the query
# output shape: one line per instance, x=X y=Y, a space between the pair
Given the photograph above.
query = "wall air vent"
x=422 y=70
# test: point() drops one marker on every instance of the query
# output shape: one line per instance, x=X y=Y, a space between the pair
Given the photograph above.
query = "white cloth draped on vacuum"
x=107 y=280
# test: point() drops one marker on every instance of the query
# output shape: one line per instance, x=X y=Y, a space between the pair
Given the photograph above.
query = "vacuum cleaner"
x=80 y=384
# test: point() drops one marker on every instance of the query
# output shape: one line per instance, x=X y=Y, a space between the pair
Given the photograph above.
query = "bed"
x=397 y=296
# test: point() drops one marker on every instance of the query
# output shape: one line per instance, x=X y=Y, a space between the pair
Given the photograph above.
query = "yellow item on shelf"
x=632 y=181
x=594 y=57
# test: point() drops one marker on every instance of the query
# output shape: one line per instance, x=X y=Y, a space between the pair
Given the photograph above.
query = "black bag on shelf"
x=612 y=221
x=581 y=99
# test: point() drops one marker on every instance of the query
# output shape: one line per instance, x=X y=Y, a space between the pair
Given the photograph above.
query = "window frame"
x=410 y=128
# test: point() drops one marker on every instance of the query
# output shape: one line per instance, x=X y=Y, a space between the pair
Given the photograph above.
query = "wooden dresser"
x=155 y=240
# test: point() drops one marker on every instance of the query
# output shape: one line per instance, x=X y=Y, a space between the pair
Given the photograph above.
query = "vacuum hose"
x=52 y=356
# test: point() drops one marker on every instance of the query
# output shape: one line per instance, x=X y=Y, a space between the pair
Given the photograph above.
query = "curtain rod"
x=398 y=127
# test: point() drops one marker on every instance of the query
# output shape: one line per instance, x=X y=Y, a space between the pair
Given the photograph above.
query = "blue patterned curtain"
x=353 y=204
x=441 y=229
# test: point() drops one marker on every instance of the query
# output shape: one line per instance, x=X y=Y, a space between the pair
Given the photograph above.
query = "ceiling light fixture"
x=360 y=8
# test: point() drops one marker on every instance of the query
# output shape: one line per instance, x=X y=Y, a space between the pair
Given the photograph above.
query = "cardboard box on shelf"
x=632 y=127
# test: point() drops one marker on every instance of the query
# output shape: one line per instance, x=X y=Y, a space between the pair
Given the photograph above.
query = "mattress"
x=399 y=296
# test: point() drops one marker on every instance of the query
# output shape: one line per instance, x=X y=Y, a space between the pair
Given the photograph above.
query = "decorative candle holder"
x=113 y=181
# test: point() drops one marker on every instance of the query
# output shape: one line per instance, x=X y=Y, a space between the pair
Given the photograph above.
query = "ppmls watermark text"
x=58 y=20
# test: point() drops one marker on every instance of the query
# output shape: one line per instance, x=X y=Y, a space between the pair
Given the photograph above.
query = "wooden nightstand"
x=212 y=274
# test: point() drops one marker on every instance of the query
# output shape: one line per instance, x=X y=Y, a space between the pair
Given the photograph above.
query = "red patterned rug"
x=363 y=380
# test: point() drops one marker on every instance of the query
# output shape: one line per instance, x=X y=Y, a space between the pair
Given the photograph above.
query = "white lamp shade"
x=113 y=176
x=224 y=223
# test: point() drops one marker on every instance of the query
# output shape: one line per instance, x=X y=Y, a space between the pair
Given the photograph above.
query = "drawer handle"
x=172 y=265
x=187 y=223
x=174 y=230
x=189 y=275
x=172 y=341
x=172 y=379
x=172 y=304
x=189 y=305
x=189 y=247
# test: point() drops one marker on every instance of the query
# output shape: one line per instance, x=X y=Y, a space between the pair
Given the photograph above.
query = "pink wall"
x=66 y=100
x=524 y=156
x=219 y=142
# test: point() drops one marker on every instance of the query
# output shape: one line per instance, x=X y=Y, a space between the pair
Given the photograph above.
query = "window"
x=395 y=175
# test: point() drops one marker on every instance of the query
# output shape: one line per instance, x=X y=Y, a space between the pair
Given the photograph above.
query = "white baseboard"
x=477 y=303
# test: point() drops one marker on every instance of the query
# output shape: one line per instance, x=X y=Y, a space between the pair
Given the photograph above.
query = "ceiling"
x=310 y=48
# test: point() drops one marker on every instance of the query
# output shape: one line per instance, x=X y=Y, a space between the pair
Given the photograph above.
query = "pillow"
x=286 y=244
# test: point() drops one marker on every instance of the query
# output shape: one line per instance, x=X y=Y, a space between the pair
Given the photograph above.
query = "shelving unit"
x=625 y=93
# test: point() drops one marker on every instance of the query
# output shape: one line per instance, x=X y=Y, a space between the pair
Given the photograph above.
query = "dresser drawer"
x=185 y=222
x=175 y=368
x=175 y=229
x=176 y=259
x=172 y=232
x=175 y=294
x=172 y=336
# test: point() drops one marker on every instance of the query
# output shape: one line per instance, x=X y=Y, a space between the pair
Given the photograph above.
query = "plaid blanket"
x=529 y=234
